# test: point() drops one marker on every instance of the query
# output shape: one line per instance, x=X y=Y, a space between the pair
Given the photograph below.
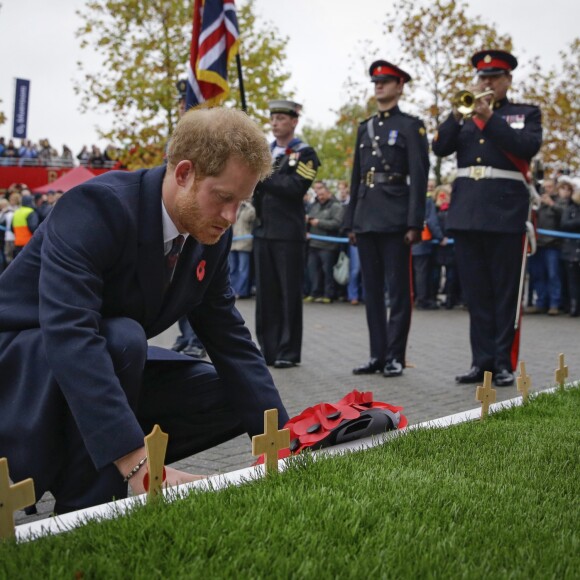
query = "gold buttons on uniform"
x=478 y=159
x=482 y=141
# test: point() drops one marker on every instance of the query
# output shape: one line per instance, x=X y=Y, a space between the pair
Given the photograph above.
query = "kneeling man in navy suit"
x=119 y=260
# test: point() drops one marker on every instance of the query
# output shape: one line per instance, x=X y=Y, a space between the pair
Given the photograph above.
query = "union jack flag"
x=214 y=43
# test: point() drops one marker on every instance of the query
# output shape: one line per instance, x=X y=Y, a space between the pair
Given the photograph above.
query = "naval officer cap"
x=493 y=62
x=383 y=70
x=286 y=107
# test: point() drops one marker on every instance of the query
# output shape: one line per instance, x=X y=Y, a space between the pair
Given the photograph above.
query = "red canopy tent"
x=67 y=181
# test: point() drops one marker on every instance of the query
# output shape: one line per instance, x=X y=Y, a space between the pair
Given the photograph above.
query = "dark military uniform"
x=279 y=238
x=487 y=216
x=387 y=199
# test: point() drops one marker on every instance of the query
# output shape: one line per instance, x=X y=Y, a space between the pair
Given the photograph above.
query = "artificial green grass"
x=498 y=498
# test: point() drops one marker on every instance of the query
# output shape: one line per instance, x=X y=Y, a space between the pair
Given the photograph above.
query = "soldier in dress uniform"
x=279 y=238
x=489 y=208
x=385 y=215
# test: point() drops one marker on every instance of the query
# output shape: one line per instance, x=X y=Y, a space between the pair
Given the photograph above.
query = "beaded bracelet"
x=134 y=470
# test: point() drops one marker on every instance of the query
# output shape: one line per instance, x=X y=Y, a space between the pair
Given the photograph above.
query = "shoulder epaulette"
x=414 y=117
x=367 y=119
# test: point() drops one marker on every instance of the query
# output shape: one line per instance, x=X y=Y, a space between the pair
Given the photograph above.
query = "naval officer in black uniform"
x=385 y=215
x=488 y=211
x=279 y=238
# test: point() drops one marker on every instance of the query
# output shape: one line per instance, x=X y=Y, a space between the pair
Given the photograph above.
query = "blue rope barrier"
x=554 y=233
x=559 y=234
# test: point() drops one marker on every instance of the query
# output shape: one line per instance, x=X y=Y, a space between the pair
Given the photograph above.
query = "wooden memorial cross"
x=524 y=382
x=12 y=498
x=155 y=446
x=561 y=373
x=485 y=394
x=271 y=441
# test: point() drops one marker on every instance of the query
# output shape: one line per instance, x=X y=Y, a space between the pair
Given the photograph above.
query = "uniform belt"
x=482 y=172
x=372 y=177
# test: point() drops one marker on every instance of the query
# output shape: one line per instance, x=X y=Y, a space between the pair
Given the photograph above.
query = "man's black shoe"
x=503 y=378
x=284 y=364
x=393 y=368
x=373 y=366
x=427 y=305
x=473 y=375
x=194 y=351
x=179 y=346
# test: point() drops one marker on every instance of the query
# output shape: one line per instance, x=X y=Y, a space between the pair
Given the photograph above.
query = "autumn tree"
x=556 y=92
x=437 y=41
x=335 y=145
x=144 y=46
x=264 y=69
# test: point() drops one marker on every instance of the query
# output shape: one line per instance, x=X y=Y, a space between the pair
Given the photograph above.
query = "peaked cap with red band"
x=382 y=70
x=493 y=62
x=355 y=416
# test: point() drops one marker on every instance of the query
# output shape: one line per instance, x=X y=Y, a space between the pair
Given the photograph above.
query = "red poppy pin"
x=200 y=270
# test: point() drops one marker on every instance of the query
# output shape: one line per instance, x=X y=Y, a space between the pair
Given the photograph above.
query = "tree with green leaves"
x=437 y=40
x=556 y=92
x=144 y=45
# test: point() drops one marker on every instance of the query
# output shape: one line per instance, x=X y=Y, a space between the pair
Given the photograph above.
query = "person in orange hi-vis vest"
x=24 y=223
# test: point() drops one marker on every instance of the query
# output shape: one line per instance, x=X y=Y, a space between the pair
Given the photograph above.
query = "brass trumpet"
x=464 y=101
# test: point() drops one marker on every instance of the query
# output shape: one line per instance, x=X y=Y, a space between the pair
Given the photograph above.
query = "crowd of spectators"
x=554 y=270
x=28 y=153
x=553 y=281
x=21 y=213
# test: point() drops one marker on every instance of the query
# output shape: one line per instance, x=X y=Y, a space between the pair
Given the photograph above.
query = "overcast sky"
x=324 y=44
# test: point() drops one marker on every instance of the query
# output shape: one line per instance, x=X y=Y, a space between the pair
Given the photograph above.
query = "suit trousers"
x=386 y=263
x=489 y=266
x=320 y=269
x=185 y=397
x=279 y=278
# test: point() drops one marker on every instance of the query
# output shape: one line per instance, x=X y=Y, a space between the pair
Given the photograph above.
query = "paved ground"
x=336 y=340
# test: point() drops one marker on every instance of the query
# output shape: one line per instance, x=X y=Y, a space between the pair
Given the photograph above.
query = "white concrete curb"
x=67 y=522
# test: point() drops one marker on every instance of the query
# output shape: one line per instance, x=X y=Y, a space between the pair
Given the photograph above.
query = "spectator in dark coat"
x=324 y=219
x=545 y=263
x=570 y=222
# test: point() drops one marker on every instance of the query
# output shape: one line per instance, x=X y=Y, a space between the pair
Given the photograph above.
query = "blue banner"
x=21 y=97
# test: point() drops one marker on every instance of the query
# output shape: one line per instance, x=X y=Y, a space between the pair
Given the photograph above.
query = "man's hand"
x=482 y=109
x=352 y=238
x=412 y=236
x=173 y=477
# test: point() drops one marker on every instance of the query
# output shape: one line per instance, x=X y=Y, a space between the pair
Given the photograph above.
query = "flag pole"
x=241 y=79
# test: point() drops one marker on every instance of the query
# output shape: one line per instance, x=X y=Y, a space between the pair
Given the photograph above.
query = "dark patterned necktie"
x=172 y=256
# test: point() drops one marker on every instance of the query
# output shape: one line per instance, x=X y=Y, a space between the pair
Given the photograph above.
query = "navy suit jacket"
x=99 y=255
